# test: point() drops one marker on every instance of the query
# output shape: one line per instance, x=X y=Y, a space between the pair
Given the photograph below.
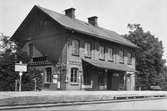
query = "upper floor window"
x=48 y=77
x=74 y=75
x=30 y=49
x=129 y=54
x=110 y=54
x=87 y=49
x=75 y=47
x=121 y=55
x=101 y=52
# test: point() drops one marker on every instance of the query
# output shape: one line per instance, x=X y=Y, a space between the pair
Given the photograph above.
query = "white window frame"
x=46 y=75
x=74 y=74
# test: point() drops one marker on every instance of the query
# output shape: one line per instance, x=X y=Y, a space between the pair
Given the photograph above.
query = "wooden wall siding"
x=36 y=52
x=49 y=39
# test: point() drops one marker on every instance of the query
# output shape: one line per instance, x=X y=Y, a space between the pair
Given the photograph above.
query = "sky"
x=112 y=14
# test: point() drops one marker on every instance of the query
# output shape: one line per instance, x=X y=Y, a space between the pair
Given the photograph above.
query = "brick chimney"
x=70 y=12
x=93 y=20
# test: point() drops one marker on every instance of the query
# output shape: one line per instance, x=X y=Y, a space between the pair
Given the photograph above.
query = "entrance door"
x=115 y=81
x=109 y=81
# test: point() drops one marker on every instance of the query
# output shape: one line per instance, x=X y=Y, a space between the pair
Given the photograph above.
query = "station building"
x=76 y=55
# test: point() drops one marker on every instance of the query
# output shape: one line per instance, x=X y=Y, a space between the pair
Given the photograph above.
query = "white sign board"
x=20 y=67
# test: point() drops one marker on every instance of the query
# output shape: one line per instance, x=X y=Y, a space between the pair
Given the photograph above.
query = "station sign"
x=20 y=67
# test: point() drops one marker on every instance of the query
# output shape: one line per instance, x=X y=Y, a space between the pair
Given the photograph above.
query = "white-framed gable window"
x=87 y=49
x=101 y=52
x=110 y=54
x=75 y=47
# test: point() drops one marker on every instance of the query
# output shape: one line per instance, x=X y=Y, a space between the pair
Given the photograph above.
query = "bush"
x=28 y=80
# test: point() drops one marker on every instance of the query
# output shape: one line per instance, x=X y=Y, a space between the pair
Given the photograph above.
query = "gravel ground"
x=15 y=98
x=56 y=93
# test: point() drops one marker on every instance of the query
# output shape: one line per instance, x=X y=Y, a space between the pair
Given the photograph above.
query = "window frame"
x=110 y=56
x=74 y=75
x=88 y=53
x=75 y=48
x=121 y=56
x=101 y=53
x=46 y=76
x=129 y=56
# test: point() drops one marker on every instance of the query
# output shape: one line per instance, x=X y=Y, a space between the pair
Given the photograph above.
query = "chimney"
x=93 y=20
x=70 y=12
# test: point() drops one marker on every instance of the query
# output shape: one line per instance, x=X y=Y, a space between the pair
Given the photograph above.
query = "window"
x=48 y=74
x=30 y=50
x=121 y=56
x=74 y=75
x=87 y=49
x=129 y=54
x=75 y=47
x=101 y=52
x=110 y=54
x=39 y=59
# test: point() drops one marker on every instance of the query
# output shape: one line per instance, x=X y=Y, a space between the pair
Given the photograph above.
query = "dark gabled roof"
x=85 y=28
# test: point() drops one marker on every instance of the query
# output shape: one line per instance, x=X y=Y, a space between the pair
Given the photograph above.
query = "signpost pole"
x=20 y=74
x=20 y=67
x=16 y=85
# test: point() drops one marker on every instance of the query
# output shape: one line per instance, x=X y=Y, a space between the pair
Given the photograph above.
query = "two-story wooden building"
x=74 y=54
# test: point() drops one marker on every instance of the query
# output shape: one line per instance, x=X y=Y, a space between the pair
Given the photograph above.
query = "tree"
x=149 y=62
x=9 y=56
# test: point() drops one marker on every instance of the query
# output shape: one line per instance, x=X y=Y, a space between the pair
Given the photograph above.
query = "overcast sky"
x=112 y=14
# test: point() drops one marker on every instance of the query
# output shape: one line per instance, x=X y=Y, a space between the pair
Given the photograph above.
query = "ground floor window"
x=74 y=75
x=48 y=74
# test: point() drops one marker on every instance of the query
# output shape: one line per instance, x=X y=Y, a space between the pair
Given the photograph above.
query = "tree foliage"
x=149 y=62
x=8 y=57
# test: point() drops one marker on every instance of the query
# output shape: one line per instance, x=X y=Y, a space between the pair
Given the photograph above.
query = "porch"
x=101 y=75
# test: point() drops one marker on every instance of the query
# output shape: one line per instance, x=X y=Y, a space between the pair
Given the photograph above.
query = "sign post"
x=20 y=74
x=20 y=67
